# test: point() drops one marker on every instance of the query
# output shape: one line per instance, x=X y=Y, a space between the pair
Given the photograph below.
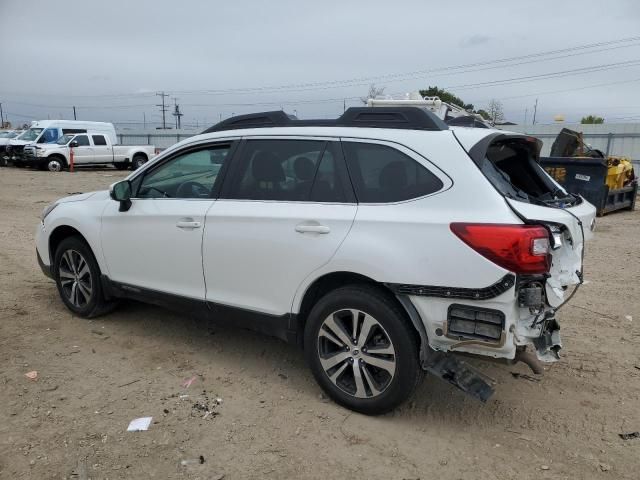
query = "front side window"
x=382 y=174
x=99 y=140
x=50 y=135
x=288 y=170
x=83 y=140
x=189 y=175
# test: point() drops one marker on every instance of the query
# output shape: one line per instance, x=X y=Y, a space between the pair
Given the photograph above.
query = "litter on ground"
x=139 y=424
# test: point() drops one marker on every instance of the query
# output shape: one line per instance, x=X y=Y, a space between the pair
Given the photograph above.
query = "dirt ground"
x=272 y=421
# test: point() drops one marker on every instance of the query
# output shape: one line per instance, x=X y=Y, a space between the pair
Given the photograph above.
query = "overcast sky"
x=109 y=58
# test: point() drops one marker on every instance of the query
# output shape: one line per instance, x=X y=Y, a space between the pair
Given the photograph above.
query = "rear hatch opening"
x=511 y=165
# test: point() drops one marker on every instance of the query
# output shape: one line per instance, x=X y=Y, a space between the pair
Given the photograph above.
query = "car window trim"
x=217 y=186
x=446 y=180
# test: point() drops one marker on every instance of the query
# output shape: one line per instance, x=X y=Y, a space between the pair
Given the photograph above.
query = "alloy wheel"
x=356 y=353
x=75 y=278
x=54 y=166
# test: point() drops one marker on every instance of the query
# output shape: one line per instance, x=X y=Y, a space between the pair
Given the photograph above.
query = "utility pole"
x=163 y=108
x=1 y=116
x=535 y=111
x=526 y=111
x=176 y=113
x=344 y=105
x=144 y=121
x=74 y=112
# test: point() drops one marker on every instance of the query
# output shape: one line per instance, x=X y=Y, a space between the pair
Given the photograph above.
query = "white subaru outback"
x=383 y=242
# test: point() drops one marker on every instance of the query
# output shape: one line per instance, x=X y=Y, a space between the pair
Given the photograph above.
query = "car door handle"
x=306 y=228
x=188 y=224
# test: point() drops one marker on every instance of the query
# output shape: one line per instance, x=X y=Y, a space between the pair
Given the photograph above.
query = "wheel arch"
x=334 y=280
x=59 y=234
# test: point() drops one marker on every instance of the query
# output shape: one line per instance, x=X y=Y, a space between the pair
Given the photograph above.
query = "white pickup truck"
x=88 y=149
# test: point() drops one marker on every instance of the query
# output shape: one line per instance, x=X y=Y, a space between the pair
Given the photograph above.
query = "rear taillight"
x=518 y=248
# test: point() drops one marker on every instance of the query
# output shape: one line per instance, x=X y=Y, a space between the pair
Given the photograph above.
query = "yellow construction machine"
x=608 y=182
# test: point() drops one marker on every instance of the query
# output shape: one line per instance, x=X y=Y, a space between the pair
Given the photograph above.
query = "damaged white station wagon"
x=384 y=243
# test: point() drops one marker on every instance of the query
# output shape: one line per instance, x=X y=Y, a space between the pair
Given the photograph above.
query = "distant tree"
x=446 y=97
x=373 y=93
x=483 y=113
x=494 y=109
x=592 y=119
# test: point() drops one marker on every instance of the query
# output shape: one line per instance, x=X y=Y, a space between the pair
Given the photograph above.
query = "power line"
x=409 y=75
x=544 y=76
x=390 y=76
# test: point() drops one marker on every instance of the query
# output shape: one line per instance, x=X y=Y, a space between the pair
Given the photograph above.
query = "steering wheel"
x=191 y=189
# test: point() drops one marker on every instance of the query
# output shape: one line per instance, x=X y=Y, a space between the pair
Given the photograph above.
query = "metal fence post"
x=609 y=140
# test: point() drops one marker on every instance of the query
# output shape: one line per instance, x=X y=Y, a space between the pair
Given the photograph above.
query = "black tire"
x=138 y=160
x=87 y=306
x=393 y=328
x=121 y=165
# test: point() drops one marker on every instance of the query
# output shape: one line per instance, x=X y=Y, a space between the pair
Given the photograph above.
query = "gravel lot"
x=94 y=377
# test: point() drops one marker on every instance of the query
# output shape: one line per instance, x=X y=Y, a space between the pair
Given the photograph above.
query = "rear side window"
x=382 y=174
x=99 y=140
x=288 y=170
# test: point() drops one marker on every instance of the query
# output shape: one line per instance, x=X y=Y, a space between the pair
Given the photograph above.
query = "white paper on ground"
x=139 y=424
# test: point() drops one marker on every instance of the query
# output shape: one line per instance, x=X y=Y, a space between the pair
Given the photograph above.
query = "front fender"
x=84 y=217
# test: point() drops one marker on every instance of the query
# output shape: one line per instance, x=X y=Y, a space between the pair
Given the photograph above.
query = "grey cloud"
x=475 y=40
x=186 y=48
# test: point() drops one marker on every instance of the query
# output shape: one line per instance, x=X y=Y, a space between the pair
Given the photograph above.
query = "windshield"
x=7 y=134
x=31 y=134
x=63 y=140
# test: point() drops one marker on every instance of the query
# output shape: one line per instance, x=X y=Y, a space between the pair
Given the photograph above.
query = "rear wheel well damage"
x=332 y=281
x=58 y=235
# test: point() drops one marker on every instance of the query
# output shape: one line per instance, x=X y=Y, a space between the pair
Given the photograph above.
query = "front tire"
x=55 y=164
x=77 y=277
x=362 y=349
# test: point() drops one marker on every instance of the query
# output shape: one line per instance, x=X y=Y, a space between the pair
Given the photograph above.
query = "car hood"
x=80 y=197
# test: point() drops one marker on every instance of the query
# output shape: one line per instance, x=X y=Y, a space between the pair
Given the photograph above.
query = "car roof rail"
x=403 y=118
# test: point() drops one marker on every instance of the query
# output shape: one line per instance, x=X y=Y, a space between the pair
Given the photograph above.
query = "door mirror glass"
x=73 y=144
x=121 y=191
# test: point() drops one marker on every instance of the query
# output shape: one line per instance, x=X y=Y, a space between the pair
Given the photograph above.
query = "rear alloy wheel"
x=363 y=367
x=54 y=165
x=77 y=276
x=362 y=349
x=138 y=161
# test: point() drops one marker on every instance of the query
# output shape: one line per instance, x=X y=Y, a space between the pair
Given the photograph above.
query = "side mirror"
x=121 y=192
x=73 y=144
